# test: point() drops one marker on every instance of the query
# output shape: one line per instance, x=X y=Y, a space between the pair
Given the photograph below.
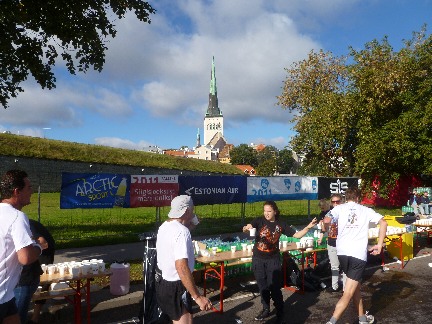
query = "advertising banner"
x=153 y=190
x=210 y=190
x=281 y=188
x=89 y=190
x=328 y=186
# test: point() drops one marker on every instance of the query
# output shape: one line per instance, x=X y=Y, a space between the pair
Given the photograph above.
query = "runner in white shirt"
x=353 y=226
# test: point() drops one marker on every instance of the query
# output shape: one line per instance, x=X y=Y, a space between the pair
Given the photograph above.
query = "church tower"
x=213 y=120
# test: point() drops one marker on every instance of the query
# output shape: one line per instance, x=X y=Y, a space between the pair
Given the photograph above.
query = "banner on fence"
x=209 y=190
x=329 y=186
x=90 y=190
x=281 y=188
x=153 y=190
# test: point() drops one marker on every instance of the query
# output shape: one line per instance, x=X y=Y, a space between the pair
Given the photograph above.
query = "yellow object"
x=393 y=245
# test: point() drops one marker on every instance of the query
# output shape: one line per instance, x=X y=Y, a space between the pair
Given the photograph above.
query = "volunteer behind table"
x=266 y=257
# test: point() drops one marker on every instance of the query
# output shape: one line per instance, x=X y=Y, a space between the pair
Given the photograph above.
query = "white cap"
x=179 y=205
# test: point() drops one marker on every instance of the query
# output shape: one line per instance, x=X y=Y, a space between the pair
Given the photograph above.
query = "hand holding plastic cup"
x=284 y=244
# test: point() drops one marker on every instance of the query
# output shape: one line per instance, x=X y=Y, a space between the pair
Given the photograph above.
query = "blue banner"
x=89 y=190
x=281 y=188
x=209 y=190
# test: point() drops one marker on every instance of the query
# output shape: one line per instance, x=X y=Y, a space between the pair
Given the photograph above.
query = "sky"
x=154 y=87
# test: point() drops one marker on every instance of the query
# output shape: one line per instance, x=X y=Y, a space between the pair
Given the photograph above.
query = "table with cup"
x=215 y=261
x=423 y=226
x=67 y=280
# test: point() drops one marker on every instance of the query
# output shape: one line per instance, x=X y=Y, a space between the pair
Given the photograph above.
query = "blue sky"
x=155 y=83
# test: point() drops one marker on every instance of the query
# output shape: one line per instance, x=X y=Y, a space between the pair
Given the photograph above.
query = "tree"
x=266 y=168
x=267 y=153
x=369 y=118
x=36 y=32
x=285 y=162
x=243 y=154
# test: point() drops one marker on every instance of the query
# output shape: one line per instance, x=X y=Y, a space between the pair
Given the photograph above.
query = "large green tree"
x=365 y=114
x=36 y=33
x=243 y=154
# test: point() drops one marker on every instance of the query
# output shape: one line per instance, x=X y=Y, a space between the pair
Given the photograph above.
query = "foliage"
x=33 y=147
x=36 y=33
x=266 y=162
x=285 y=162
x=369 y=117
x=266 y=168
x=244 y=155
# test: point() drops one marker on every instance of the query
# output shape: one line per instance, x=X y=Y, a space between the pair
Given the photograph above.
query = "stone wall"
x=46 y=173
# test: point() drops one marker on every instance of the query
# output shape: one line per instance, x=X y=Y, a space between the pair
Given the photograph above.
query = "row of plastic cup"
x=75 y=268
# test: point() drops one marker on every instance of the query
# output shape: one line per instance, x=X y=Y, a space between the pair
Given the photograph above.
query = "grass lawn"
x=90 y=227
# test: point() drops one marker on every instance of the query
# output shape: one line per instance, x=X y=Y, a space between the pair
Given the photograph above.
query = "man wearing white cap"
x=175 y=259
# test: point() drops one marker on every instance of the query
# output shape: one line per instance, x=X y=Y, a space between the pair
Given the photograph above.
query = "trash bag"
x=150 y=311
x=408 y=218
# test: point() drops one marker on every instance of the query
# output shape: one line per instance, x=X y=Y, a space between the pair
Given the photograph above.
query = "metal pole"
x=39 y=203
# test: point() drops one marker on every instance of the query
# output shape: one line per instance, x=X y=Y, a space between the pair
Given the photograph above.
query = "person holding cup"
x=266 y=263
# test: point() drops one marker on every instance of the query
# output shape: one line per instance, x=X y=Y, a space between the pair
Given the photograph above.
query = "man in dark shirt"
x=30 y=275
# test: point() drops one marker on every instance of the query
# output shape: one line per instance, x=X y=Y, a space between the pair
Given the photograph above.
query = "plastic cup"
x=214 y=250
x=62 y=270
x=51 y=269
x=101 y=264
x=95 y=267
x=244 y=246
x=75 y=270
x=249 y=248
x=195 y=220
x=233 y=248
x=252 y=231
x=284 y=244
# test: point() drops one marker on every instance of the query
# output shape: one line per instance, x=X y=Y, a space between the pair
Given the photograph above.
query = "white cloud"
x=121 y=143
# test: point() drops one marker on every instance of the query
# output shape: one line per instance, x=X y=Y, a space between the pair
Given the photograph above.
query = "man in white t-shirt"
x=352 y=241
x=16 y=244
x=175 y=259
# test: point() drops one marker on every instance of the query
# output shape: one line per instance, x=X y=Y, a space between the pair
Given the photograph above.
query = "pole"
x=39 y=202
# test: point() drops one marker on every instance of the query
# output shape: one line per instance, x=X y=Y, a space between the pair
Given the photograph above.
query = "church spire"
x=213 y=106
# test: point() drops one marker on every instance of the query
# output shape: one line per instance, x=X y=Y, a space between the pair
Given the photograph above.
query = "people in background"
x=266 y=262
x=335 y=200
x=16 y=244
x=175 y=286
x=425 y=202
x=352 y=247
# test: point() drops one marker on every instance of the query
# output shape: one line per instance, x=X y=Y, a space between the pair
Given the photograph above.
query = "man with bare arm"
x=352 y=240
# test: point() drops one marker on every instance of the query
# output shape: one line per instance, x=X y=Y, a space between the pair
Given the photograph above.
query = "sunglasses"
x=335 y=201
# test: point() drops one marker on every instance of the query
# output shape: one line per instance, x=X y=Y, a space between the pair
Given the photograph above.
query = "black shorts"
x=352 y=267
x=8 y=309
x=173 y=298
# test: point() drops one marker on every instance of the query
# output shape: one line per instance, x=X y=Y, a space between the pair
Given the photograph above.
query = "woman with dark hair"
x=266 y=262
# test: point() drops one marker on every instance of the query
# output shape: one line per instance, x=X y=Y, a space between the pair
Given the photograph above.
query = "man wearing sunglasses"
x=332 y=228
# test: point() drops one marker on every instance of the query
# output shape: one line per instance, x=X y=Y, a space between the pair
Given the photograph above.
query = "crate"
x=407 y=240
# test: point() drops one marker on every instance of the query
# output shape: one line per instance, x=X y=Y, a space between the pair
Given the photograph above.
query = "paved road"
x=393 y=296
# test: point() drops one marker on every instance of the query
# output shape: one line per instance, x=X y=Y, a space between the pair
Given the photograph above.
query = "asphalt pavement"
x=392 y=296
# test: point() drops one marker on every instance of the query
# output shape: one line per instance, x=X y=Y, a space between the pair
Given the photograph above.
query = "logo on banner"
x=338 y=187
